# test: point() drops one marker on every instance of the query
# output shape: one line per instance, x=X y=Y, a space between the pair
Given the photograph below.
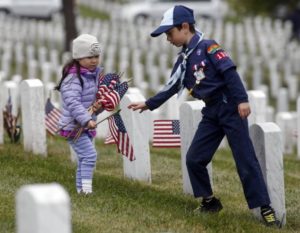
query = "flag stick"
x=109 y=116
x=81 y=129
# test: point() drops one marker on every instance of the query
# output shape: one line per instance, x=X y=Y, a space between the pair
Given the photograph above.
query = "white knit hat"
x=85 y=45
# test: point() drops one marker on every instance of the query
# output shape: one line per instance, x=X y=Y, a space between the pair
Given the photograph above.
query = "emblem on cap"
x=95 y=49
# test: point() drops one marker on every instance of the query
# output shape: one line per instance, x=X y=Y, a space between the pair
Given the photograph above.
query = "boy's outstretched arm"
x=138 y=106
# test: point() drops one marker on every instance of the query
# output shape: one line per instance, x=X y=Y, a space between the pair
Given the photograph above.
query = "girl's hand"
x=244 y=110
x=138 y=106
x=96 y=106
x=91 y=124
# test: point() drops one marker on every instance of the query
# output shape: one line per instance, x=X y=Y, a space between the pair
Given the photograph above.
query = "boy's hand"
x=139 y=105
x=244 y=110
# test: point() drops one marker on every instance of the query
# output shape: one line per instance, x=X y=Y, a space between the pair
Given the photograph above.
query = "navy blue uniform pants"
x=218 y=120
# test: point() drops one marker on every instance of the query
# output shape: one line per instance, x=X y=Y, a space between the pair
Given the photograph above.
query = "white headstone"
x=258 y=104
x=1 y=119
x=33 y=116
x=32 y=69
x=270 y=114
x=257 y=72
x=46 y=72
x=282 y=100
x=137 y=126
x=43 y=208
x=286 y=122
x=298 y=128
x=274 y=77
x=154 y=78
x=54 y=95
x=293 y=87
x=267 y=142
x=102 y=129
x=42 y=55
x=190 y=116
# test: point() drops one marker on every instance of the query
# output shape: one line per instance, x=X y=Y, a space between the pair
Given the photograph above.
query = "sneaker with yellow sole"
x=269 y=217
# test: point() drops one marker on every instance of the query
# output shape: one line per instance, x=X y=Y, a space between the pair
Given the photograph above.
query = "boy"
x=209 y=74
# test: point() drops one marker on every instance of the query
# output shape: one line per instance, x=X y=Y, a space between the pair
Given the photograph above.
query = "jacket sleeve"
x=72 y=96
x=224 y=65
x=161 y=97
x=235 y=86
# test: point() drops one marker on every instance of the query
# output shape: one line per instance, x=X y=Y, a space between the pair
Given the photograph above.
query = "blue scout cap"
x=174 y=16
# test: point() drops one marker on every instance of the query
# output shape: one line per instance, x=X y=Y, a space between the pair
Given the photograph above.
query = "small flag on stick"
x=52 y=117
x=120 y=135
x=10 y=121
x=109 y=139
x=166 y=133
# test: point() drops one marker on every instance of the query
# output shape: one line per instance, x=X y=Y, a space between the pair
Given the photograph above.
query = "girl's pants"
x=86 y=161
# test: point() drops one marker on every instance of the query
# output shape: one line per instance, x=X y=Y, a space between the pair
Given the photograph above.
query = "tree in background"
x=254 y=7
x=70 y=22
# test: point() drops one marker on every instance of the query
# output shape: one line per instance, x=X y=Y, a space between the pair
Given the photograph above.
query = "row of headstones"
x=113 y=33
x=31 y=31
x=261 y=111
x=285 y=94
x=267 y=32
x=42 y=67
x=152 y=71
x=267 y=140
x=98 y=28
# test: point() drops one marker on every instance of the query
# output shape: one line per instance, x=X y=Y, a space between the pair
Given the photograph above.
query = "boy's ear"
x=185 y=26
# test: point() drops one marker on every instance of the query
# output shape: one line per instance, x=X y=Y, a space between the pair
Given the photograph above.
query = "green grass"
x=122 y=205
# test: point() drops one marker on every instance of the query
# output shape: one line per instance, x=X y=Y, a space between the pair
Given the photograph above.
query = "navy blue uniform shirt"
x=218 y=69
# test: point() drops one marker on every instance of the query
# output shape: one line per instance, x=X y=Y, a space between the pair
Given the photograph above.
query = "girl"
x=78 y=87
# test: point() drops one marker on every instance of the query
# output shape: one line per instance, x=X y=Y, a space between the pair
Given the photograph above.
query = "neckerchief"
x=180 y=71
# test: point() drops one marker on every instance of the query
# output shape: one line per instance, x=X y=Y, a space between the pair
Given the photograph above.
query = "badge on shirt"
x=220 y=55
x=213 y=48
x=198 y=72
x=199 y=75
x=198 y=52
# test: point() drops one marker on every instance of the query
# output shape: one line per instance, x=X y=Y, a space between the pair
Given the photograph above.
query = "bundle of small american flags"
x=110 y=91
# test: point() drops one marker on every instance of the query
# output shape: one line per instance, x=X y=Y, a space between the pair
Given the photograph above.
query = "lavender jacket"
x=77 y=99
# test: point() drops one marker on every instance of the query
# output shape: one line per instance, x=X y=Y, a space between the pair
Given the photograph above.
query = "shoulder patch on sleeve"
x=213 y=48
x=220 y=55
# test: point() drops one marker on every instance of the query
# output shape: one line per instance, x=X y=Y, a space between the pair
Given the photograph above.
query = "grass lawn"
x=122 y=205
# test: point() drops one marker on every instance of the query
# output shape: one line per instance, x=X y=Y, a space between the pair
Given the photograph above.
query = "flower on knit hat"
x=95 y=49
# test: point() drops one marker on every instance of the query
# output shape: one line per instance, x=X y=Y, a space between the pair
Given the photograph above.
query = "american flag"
x=8 y=113
x=119 y=133
x=109 y=139
x=9 y=119
x=108 y=82
x=52 y=117
x=111 y=91
x=166 y=133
